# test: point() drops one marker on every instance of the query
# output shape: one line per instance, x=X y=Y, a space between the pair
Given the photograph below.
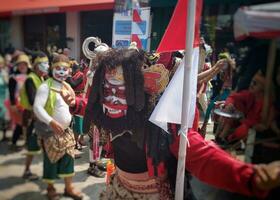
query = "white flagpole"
x=191 y=8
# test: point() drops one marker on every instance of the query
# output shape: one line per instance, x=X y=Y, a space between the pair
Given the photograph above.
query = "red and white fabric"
x=260 y=21
x=169 y=107
x=135 y=27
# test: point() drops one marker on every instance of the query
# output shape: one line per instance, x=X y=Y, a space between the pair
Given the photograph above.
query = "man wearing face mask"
x=50 y=108
x=119 y=106
x=27 y=97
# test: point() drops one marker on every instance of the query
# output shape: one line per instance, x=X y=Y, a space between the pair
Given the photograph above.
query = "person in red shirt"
x=141 y=162
x=250 y=103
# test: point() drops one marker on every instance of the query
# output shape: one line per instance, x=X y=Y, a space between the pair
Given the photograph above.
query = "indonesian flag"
x=170 y=106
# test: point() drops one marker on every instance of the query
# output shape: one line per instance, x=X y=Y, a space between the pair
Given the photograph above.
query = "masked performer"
x=96 y=167
x=27 y=97
x=119 y=106
x=59 y=145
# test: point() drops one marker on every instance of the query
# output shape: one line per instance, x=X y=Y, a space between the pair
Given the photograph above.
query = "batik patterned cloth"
x=117 y=190
x=57 y=146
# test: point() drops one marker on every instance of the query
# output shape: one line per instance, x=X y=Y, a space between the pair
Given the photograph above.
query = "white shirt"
x=61 y=111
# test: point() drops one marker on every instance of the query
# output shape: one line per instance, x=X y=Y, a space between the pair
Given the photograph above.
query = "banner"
x=130 y=23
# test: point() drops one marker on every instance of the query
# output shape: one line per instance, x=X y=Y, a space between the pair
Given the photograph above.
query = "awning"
x=260 y=21
x=27 y=7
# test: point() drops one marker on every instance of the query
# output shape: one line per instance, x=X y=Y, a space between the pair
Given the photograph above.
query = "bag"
x=42 y=130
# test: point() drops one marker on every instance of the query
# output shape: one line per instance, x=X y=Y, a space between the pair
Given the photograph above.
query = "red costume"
x=78 y=82
x=247 y=103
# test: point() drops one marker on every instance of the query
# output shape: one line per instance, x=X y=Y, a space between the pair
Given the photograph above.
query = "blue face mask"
x=44 y=67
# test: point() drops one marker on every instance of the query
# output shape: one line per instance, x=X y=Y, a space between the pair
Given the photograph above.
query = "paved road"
x=13 y=187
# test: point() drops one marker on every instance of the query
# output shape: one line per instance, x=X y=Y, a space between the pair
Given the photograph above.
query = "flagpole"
x=191 y=8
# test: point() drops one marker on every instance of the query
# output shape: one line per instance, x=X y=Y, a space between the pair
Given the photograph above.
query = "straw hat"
x=23 y=58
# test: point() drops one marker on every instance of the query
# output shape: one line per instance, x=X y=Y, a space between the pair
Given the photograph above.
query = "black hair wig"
x=131 y=61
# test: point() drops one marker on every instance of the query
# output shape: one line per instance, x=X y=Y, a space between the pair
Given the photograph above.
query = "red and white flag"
x=136 y=22
x=170 y=106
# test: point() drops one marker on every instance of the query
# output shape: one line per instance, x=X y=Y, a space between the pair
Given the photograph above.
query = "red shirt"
x=246 y=102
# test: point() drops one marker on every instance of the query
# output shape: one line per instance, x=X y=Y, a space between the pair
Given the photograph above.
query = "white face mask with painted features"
x=60 y=73
x=114 y=102
x=44 y=67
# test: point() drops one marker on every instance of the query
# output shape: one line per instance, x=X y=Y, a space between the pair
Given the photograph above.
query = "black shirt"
x=128 y=156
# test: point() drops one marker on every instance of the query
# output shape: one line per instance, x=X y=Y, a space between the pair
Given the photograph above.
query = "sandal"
x=75 y=196
x=96 y=172
x=52 y=195
x=30 y=176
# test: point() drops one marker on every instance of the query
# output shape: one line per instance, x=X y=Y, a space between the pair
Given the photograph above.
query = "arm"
x=240 y=99
x=79 y=106
x=40 y=102
x=216 y=167
x=201 y=89
x=12 y=90
x=30 y=90
x=39 y=109
x=75 y=82
x=210 y=73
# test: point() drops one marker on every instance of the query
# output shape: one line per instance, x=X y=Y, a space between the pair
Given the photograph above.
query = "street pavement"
x=13 y=187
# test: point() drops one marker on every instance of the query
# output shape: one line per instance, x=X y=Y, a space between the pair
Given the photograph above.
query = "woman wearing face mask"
x=16 y=82
x=59 y=144
x=27 y=97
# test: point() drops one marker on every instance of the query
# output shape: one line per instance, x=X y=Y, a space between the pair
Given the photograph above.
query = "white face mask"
x=60 y=73
x=44 y=67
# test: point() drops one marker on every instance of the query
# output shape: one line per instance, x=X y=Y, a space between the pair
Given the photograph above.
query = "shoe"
x=30 y=176
x=72 y=195
x=96 y=172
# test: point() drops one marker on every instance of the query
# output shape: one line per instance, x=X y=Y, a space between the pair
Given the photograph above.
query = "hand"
x=229 y=108
x=198 y=95
x=267 y=176
x=56 y=127
x=68 y=94
x=220 y=104
x=221 y=63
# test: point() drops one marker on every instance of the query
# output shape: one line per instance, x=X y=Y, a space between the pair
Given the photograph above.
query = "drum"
x=223 y=119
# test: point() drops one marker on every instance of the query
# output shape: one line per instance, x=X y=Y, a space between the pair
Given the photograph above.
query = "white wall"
x=17 y=32
x=73 y=31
